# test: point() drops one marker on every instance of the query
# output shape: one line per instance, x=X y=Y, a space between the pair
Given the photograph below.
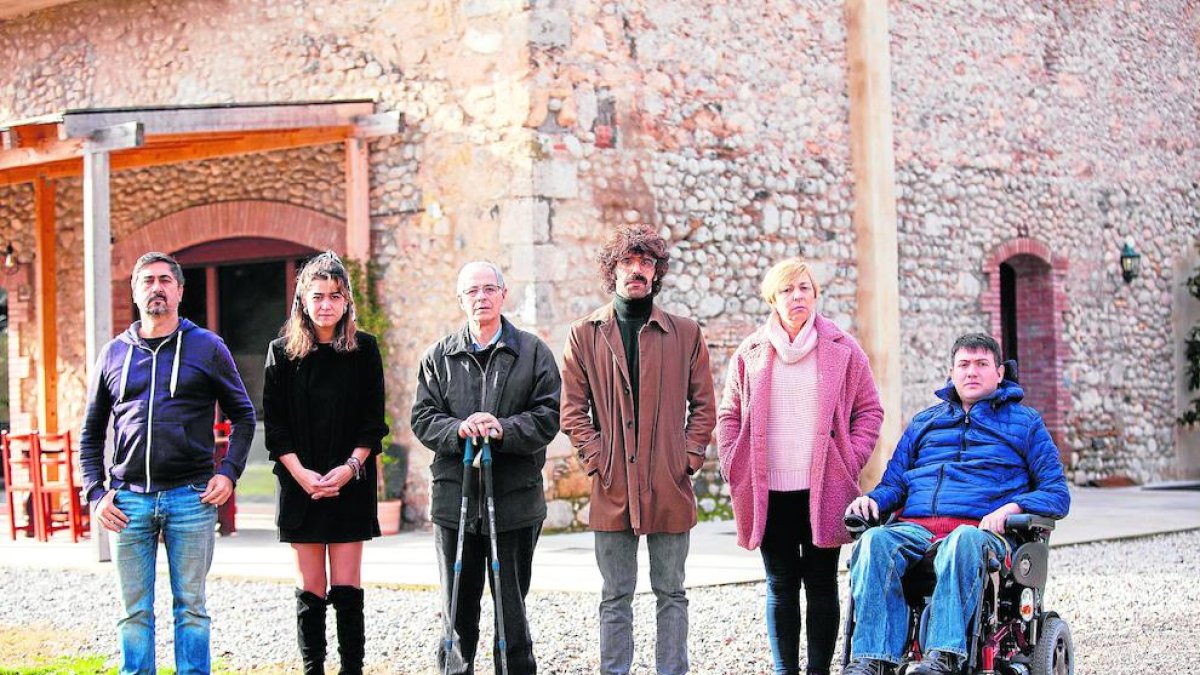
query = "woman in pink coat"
x=799 y=419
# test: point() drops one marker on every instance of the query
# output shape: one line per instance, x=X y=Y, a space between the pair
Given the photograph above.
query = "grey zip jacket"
x=161 y=402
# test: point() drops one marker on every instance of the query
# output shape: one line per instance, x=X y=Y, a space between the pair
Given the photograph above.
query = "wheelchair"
x=1011 y=633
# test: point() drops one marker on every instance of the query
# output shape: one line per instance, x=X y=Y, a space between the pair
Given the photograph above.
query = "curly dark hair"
x=642 y=239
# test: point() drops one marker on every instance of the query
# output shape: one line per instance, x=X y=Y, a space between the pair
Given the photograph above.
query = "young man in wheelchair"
x=961 y=468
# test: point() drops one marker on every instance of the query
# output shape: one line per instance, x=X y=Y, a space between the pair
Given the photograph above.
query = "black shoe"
x=347 y=601
x=869 y=667
x=938 y=662
x=310 y=629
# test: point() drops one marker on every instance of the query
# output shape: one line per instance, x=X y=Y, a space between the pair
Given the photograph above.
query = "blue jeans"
x=879 y=561
x=616 y=556
x=187 y=528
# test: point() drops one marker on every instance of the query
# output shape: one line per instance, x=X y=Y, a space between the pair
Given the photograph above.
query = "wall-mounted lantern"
x=1131 y=261
x=10 y=260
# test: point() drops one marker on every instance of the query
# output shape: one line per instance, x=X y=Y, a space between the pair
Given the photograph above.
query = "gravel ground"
x=1133 y=607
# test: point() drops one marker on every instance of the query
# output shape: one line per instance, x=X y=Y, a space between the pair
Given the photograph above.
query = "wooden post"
x=97 y=256
x=873 y=158
x=212 y=306
x=46 y=283
x=358 y=200
x=97 y=280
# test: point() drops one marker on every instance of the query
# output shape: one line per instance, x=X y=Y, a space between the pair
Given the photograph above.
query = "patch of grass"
x=63 y=665
x=257 y=483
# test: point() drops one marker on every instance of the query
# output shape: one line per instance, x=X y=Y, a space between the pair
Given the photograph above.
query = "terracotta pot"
x=389 y=516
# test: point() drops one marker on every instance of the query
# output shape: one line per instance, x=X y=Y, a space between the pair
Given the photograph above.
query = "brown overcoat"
x=640 y=479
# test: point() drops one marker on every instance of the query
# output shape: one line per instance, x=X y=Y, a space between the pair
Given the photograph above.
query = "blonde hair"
x=783 y=272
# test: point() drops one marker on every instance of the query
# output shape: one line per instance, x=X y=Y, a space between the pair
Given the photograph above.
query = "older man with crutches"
x=491 y=387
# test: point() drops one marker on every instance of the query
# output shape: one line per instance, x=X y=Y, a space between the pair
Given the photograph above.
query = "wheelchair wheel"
x=1054 y=654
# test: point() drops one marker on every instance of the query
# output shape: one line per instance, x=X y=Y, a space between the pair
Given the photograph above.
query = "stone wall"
x=1075 y=125
x=734 y=143
x=534 y=128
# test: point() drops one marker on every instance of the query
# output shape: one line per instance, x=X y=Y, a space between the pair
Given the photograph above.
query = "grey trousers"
x=616 y=555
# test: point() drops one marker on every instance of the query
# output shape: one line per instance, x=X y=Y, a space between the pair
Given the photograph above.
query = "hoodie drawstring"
x=125 y=372
x=175 y=365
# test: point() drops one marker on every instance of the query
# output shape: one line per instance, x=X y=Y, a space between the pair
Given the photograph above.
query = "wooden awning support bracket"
x=379 y=124
x=117 y=137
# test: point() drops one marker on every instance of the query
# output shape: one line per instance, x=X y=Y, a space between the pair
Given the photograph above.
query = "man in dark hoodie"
x=158 y=382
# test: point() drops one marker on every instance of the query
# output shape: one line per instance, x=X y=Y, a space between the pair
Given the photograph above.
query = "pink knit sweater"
x=792 y=423
x=847 y=426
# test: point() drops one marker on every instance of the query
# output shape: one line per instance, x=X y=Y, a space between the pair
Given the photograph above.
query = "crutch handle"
x=468 y=452
x=485 y=455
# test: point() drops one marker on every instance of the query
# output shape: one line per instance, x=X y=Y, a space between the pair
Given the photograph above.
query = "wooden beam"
x=876 y=246
x=247 y=144
x=46 y=285
x=210 y=119
x=117 y=137
x=379 y=124
x=176 y=148
x=41 y=153
x=97 y=279
x=358 y=200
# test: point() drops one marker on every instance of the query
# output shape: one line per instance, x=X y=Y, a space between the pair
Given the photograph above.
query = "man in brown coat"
x=639 y=407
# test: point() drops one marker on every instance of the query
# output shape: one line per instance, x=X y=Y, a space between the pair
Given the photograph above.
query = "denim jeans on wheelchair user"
x=878 y=563
x=186 y=526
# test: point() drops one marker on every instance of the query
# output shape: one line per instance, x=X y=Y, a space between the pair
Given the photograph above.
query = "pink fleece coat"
x=848 y=425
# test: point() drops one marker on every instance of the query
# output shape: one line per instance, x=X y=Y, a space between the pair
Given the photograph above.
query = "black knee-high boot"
x=347 y=601
x=310 y=628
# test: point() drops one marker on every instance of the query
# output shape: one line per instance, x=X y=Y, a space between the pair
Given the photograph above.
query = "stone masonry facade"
x=1038 y=135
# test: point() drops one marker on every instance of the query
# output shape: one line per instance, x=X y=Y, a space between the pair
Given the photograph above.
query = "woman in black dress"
x=323 y=412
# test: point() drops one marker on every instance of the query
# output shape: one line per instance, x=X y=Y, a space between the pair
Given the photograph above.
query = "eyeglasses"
x=488 y=291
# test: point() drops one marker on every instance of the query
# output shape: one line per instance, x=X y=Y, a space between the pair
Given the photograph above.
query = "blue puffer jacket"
x=950 y=463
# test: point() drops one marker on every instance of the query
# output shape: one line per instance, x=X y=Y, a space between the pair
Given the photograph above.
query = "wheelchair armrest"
x=857 y=525
x=1025 y=523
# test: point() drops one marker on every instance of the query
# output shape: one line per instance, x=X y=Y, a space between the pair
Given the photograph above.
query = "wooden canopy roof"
x=53 y=146
x=10 y=8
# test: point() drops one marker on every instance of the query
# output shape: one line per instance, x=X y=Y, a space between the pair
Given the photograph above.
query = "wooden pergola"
x=93 y=143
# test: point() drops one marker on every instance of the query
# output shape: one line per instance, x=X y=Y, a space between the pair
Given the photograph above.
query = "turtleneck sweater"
x=792 y=425
x=631 y=316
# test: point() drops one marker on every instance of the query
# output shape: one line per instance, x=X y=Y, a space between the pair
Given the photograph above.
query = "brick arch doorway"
x=1026 y=299
x=241 y=288
x=239 y=259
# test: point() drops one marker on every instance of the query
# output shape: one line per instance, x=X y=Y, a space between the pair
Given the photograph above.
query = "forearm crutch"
x=486 y=460
x=468 y=457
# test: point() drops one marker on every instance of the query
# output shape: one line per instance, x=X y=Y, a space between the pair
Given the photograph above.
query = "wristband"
x=355 y=466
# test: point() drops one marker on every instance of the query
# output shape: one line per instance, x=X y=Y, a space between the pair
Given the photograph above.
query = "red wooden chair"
x=59 y=486
x=20 y=453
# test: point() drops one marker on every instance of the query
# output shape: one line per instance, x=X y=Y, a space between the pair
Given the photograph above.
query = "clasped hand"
x=328 y=485
x=481 y=424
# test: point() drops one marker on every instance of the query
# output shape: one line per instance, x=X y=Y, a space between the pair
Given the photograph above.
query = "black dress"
x=321 y=407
